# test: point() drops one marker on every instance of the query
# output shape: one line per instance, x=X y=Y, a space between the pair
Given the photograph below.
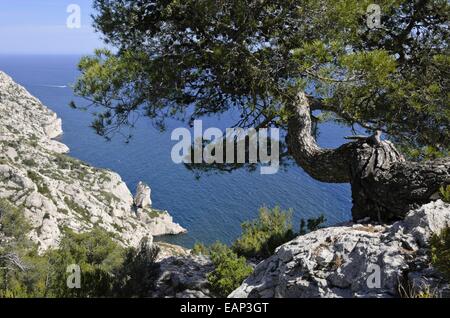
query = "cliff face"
x=355 y=260
x=56 y=190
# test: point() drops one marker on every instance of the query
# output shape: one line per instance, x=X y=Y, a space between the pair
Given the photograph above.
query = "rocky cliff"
x=355 y=260
x=58 y=191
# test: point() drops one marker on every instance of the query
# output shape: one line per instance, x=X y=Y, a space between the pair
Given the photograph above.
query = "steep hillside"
x=58 y=191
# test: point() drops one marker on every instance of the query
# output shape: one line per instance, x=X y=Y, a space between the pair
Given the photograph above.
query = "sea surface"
x=211 y=207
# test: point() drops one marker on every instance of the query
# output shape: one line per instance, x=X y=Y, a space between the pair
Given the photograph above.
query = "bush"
x=39 y=181
x=200 y=249
x=137 y=275
x=28 y=279
x=312 y=224
x=445 y=193
x=440 y=252
x=259 y=240
x=12 y=221
x=230 y=270
x=21 y=268
x=263 y=235
x=107 y=269
x=29 y=162
x=98 y=257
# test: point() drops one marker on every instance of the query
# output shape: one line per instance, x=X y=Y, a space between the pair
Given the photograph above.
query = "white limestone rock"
x=183 y=275
x=142 y=198
x=161 y=222
x=56 y=190
x=341 y=261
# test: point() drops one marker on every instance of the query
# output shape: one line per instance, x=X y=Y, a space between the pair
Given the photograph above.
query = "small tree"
x=22 y=270
x=445 y=193
x=137 y=275
x=263 y=235
x=440 y=252
x=98 y=257
x=311 y=224
x=229 y=272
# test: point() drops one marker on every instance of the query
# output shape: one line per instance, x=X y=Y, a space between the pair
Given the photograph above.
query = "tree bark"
x=384 y=185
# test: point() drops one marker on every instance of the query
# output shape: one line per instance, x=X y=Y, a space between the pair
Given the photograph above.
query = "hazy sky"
x=40 y=27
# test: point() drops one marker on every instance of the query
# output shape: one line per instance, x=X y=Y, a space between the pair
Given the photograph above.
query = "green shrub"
x=109 y=197
x=312 y=224
x=65 y=162
x=12 y=220
x=445 y=193
x=440 y=252
x=408 y=290
x=260 y=237
x=137 y=275
x=230 y=270
x=107 y=269
x=98 y=257
x=21 y=268
x=200 y=249
x=154 y=213
x=40 y=183
x=29 y=162
x=82 y=212
x=28 y=279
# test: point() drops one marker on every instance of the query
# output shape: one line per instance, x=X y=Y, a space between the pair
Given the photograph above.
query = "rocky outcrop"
x=355 y=260
x=182 y=275
x=142 y=199
x=161 y=222
x=58 y=191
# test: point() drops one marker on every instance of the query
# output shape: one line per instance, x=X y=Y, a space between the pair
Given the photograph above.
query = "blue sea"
x=212 y=207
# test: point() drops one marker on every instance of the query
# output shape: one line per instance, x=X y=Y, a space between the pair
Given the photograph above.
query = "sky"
x=40 y=27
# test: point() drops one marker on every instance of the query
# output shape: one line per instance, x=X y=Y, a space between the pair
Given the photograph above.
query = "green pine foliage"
x=137 y=273
x=98 y=256
x=445 y=193
x=312 y=224
x=21 y=269
x=440 y=252
x=230 y=270
x=107 y=269
x=394 y=76
x=200 y=249
x=260 y=237
x=12 y=221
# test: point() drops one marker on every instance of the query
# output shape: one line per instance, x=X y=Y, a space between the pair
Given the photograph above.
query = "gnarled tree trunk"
x=384 y=185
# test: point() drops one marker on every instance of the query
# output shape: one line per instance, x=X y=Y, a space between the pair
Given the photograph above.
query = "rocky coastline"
x=58 y=191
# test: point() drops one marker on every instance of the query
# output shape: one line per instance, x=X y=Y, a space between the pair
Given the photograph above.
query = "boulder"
x=183 y=276
x=355 y=260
